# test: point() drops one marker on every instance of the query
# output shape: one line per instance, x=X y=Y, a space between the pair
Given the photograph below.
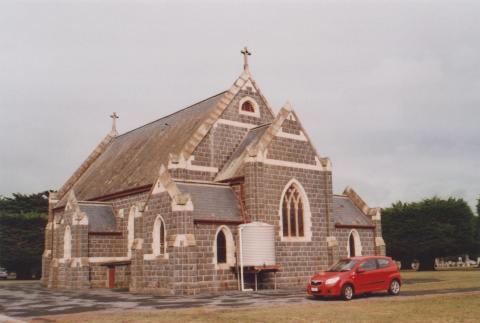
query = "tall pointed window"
x=159 y=237
x=221 y=248
x=292 y=213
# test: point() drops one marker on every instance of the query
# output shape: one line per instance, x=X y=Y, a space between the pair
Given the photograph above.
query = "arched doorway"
x=354 y=245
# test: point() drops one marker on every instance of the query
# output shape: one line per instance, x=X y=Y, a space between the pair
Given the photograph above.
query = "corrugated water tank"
x=258 y=244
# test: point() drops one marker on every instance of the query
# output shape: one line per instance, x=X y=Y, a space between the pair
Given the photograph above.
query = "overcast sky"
x=390 y=91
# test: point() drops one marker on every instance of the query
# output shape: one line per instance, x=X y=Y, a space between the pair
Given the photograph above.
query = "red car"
x=356 y=276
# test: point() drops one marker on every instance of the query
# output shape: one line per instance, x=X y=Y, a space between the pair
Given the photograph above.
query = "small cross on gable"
x=114 y=117
x=245 y=53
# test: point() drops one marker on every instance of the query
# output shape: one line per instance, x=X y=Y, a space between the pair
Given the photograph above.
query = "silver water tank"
x=257 y=244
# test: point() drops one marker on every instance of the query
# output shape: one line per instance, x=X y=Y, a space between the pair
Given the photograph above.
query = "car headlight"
x=332 y=281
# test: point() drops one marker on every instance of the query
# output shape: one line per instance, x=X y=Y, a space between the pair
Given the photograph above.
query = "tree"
x=428 y=229
x=22 y=203
x=22 y=223
x=477 y=231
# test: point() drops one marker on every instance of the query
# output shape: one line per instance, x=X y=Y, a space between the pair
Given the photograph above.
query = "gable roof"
x=100 y=216
x=233 y=167
x=256 y=141
x=133 y=159
x=212 y=202
x=345 y=212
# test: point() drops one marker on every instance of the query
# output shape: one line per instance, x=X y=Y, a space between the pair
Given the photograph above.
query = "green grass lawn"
x=428 y=308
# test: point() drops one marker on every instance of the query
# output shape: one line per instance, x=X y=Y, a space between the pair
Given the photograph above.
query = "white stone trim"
x=79 y=218
x=235 y=123
x=156 y=243
x=275 y=162
x=256 y=112
x=184 y=240
x=187 y=164
x=120 y=213
x=107 y=259
x=158 y=188
x=230 y=244
x=379 y=242
x=377 y=216
x=151 y=256
x=131 y=230
x=357 y=241
x=249 y=83
x=78 y=260
x=300 y=137
x=47 y=253
x=332 y=241
x=182 y=207
x=307 y=215
x=67 y=243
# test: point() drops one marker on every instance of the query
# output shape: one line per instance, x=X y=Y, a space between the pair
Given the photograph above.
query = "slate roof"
x=212 y=202
x=233 y=167
x=346 y=213
x=133 y=159
x=101 y=217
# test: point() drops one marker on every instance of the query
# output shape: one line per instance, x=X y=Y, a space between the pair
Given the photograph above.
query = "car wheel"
x=394 y=288
x=347 y=292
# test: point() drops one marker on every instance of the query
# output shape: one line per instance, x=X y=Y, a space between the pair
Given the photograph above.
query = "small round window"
x=248 y=106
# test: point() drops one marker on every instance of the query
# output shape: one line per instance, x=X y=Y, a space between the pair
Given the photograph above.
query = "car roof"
x=368 y=257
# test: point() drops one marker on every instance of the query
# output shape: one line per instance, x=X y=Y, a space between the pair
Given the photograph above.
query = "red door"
x=111 y=277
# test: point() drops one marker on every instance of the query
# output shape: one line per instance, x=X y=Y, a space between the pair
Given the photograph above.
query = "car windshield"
x=343 y=265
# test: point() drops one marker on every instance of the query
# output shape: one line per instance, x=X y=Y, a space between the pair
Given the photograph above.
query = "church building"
x=221 y=195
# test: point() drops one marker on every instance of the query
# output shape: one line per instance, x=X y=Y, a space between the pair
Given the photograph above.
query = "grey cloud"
x=390 y=91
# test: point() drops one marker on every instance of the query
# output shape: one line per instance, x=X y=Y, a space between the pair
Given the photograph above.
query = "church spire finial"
x=245 y=53
x=114 y=117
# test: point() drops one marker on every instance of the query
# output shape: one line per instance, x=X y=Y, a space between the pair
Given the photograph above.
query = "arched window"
x=351 y=244
x=292 y=213
x=248 y=106
x=354 y=245
x=221 y=248
x=159 y=237
x=67 y=243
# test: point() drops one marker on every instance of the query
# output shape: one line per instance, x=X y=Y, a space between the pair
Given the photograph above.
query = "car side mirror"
x=360 y=270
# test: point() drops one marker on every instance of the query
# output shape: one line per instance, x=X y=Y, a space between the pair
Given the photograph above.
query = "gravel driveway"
x=25 y=300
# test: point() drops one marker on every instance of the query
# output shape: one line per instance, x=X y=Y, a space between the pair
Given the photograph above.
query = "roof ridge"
x=260 y=125
x=171 y=114
x=200 y=183
x=95 y=203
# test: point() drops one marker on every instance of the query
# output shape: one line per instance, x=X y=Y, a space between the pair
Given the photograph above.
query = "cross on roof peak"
x=114 y=117
x=245 y=53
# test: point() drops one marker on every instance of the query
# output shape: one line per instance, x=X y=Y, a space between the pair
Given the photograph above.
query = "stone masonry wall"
x=367 y=241
x=291 y=150
x=264 y=187
x=211 y=278
x=108 y=245
x=222 y=140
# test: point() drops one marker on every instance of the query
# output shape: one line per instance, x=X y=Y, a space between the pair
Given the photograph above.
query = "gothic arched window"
x=221 y=248
x=159 y=236
x=292 y=213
